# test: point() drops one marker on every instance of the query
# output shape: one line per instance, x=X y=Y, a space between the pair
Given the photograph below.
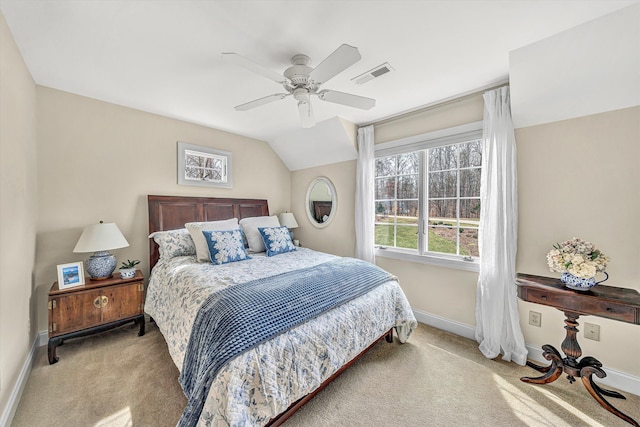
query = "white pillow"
x=196 y=229
x=250 y=230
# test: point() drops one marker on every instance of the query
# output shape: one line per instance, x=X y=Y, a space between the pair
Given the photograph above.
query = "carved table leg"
x=570 y=346
x=553 y=371
x=592 y=362
x=570 y=365
x=587 y=379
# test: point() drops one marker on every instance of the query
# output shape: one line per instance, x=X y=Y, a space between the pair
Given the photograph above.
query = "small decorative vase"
x=127 y=273
x=580 y=283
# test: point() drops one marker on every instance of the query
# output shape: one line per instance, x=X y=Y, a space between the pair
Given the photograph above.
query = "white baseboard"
x=445 y=324
x=42 y=338
x=620 y=380
x=14 y=399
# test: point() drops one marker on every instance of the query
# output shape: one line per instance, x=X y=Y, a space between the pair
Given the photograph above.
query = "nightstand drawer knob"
x=105 y=301
x=96 y=302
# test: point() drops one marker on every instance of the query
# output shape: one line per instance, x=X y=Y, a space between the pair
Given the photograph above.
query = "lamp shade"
x=288 y=220
x=100 y=237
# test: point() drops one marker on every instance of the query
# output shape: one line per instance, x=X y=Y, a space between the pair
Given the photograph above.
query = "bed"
x=268 y=382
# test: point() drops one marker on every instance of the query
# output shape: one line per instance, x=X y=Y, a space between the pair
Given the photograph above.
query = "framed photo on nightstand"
x=70 y=275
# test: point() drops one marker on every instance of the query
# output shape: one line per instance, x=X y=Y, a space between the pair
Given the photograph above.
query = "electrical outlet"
x=535 y=318
x=592 y=331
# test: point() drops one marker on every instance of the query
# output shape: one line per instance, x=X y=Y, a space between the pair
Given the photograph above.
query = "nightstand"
x=97 y=306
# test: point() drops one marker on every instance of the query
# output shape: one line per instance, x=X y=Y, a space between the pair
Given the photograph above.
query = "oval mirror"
x=322 y=202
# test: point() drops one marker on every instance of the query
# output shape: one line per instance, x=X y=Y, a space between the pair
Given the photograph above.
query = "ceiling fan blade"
x=341 y=59
x=347 y=99
x=261 y=101
x=306 y=114
x=241 y=61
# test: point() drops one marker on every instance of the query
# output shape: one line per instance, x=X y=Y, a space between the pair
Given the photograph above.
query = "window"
x=427 y=200
x=203 y=166
x=396 y=199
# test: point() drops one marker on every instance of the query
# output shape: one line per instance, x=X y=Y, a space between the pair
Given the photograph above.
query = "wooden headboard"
x=173 y=212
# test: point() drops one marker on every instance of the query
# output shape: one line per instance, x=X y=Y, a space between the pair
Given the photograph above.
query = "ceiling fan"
x=302 y=81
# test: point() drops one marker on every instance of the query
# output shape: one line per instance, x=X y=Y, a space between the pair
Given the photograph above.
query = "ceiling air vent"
x=378 y=71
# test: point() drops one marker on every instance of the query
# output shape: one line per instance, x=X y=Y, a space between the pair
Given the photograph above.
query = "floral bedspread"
x=263 y=382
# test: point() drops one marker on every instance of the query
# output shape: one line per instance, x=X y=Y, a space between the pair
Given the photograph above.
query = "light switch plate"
x=592 y=331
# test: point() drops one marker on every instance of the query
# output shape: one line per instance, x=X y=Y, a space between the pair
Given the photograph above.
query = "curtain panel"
x=365 y=187
x=498 y=325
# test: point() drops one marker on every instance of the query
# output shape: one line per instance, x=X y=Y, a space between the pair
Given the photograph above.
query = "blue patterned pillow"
x=277 y=240
x=225 y=246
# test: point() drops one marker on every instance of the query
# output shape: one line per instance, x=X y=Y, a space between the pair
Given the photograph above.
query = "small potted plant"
x=128 y=269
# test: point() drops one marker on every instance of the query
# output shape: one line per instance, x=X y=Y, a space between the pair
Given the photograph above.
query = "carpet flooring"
x=118 y=379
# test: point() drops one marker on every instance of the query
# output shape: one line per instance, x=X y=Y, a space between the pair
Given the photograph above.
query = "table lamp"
x=100 y=238
x=288 y=220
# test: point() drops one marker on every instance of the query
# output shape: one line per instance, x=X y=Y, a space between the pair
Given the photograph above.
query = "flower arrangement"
x=577 y=257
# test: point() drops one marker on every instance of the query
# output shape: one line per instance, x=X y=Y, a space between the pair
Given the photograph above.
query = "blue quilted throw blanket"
x=243 y=316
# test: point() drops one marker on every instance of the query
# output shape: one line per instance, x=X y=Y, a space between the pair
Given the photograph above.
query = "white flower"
x=577 y=257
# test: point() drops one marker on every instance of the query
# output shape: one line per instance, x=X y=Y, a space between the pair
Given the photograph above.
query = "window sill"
x=440 y=261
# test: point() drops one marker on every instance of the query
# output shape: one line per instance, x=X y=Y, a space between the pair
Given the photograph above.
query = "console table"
x=605 y=301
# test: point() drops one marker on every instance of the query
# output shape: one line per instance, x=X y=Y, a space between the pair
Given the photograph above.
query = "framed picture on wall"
x=70 y=275
x=204 y=166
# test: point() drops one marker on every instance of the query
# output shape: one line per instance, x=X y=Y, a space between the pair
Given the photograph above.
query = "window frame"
x=421 y=143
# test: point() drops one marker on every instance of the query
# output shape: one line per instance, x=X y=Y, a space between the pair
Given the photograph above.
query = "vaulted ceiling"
x=165 y=57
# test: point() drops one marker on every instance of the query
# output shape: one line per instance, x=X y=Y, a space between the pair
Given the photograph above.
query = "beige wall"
x=18 y=172
x=339 y=236
x=454 y=113
x=99 y=161
x=444 y=292
x=580 y=178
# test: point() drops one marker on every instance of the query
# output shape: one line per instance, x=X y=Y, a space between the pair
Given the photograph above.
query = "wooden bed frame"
x=173 y=212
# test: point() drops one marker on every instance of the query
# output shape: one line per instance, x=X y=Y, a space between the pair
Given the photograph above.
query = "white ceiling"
x=164 y=56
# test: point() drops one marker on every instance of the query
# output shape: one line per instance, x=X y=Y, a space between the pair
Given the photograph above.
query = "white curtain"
x=365 y=213
x=498 y=328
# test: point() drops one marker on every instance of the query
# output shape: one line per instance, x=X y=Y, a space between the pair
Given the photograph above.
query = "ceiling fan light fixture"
x=306 y=114
x=301 y=94
x=301 y=81
x=298 y=74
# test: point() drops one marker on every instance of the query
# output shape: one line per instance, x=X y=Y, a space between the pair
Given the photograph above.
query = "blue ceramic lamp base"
x=100 y=265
